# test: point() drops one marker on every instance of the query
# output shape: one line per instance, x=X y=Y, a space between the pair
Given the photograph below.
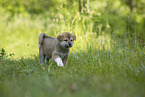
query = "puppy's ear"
x=74 y=37
x=60 y=37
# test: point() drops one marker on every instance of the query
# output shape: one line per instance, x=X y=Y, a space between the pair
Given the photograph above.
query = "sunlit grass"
x=20 y=35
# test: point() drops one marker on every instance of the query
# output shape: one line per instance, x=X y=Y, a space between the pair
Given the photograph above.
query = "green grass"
x=93 y=73
x=101 y=64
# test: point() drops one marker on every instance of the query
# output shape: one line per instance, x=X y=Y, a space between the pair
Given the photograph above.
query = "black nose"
x=69 y=44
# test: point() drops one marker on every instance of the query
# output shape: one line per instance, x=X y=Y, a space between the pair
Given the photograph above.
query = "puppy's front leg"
x=65 y=60
x=58 y=60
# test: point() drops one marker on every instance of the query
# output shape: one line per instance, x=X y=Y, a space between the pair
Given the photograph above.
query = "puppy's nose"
x=69 y=44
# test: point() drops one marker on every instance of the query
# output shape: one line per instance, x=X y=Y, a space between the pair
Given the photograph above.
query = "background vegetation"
x=107 y=58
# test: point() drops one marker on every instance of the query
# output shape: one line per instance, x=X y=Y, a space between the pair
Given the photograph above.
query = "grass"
x=93 y=73
x=100 y=64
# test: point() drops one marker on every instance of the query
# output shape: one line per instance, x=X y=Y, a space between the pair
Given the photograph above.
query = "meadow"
x=107 y=59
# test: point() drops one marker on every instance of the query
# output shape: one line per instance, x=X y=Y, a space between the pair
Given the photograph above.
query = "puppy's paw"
x=59 y=62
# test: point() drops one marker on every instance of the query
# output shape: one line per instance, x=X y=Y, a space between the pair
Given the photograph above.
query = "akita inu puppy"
x=55 y=48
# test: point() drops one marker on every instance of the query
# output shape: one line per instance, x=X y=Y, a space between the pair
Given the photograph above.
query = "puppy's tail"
x=41 y=38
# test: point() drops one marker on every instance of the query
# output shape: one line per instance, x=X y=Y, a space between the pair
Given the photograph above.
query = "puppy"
x=55 y=48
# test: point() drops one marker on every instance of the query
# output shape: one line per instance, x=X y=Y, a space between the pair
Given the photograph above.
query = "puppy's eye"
x=71 y=40
x=65 y=40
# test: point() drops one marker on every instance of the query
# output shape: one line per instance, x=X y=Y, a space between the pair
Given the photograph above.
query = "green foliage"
x=2 y=53
x=101 y=14
x=27 y=6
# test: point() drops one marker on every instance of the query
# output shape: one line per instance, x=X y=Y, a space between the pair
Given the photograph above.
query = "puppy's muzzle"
x=68 y=45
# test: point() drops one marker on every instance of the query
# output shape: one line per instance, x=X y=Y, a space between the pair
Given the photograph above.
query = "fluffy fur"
x=56 y=48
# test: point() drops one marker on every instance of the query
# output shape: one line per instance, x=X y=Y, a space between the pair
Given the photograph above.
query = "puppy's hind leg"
x=41 y=56
x=41 y=59
x=46 y=59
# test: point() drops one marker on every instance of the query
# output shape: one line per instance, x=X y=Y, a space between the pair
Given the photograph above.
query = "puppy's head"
x=66 y=39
